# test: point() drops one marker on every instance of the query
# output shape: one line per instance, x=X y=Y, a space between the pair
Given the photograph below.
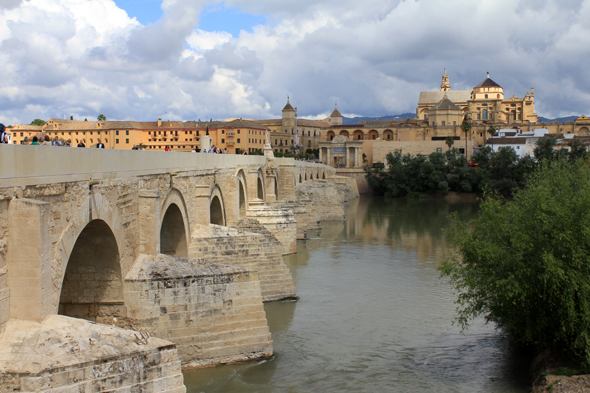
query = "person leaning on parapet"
x=56 y=142
x=81 y=144
x=68 y=143
x=25 y=141
x=5 y=136
x=100 y=145
x=46 y=141
x=35 y=141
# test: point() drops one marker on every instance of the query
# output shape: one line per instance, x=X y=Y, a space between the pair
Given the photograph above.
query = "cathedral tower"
x=445 y=85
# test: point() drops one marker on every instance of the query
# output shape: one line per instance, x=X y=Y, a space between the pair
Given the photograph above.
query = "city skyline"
x=189 y=60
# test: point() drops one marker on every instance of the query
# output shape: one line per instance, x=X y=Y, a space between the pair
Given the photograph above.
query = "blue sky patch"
x=232 y=20
x=145 y=11
x=213 y=18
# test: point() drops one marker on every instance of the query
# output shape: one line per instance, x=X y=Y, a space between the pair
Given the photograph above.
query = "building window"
x=308 y=143
x=439 y=149
x=238 y=138
x=238 y=131
x=222 y=140
x=454 y=123
x=126 y=140
x=127 y=132
x=117 y=132
x=486 y=96
x=116 y=141
x=443 y=123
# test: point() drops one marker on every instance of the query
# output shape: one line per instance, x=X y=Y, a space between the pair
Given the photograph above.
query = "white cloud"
x=85 y=57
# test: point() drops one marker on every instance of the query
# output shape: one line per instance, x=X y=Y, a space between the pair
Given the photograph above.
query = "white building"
x=523 y=143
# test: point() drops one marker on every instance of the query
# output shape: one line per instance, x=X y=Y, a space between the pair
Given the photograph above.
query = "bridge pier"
x=149 y=222
x=29 y=260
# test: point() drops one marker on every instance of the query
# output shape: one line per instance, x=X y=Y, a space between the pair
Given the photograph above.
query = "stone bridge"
x=106 y=253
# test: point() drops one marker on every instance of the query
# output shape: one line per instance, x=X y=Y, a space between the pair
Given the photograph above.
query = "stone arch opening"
x=300 y=178
x=330 y=135
x=92 y=287
x=344 y=133
x=216 y=211
x=173 y=234
x=260 y=189
x=317 y=175
x=242 y=199
x=373 y=134
x=358 y=135
x=388 y=135
x=584 y=131
x=305 y=176
x=323 y=175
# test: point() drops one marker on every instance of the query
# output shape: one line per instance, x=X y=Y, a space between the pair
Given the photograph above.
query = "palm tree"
x=466 y=127
x=450 y=141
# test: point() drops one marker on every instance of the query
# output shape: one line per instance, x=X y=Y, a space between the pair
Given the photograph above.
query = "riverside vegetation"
x=524 y=262
x=501 y=172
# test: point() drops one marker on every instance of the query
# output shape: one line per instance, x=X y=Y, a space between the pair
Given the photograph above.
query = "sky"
x=204 y=59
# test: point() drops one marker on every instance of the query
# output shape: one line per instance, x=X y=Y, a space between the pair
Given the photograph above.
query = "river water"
x=373 y=314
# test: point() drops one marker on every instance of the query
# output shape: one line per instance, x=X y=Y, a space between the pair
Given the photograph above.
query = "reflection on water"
x=373 y=314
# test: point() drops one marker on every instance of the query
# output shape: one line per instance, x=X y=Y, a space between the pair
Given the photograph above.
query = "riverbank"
x=563 y=384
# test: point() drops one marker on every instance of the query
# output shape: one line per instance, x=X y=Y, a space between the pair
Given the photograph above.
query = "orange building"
x=236 y=135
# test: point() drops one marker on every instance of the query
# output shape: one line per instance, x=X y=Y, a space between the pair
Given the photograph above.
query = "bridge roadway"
x=180 y=246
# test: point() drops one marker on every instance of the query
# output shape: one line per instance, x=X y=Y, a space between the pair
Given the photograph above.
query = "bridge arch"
x=242 y=193
x=217 y=207
x=92 y=286
x=97 y=207
x=174 y=227
x=260 y=186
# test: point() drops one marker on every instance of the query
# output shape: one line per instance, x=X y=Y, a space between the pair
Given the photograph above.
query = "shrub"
x=525 y=264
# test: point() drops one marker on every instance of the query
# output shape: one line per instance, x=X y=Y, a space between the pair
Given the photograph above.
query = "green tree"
x=524 y=264
x=38 y=122
x=101 y=117
x=577 y=151
x=545 y=149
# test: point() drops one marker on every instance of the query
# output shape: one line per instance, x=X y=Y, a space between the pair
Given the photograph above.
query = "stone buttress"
x=256 y=251
x=212 y=312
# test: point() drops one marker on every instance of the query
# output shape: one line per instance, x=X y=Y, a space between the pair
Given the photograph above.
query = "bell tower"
x=445 y=85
